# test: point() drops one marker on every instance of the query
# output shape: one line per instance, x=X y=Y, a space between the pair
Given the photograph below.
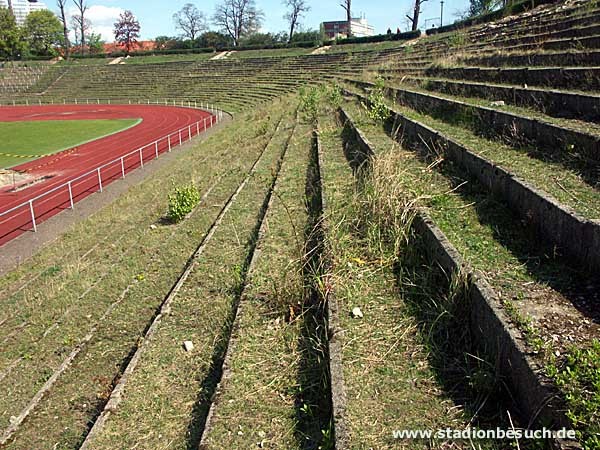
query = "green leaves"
x=11 y=40
x=378 y=111
x=579 y=379
x=43 y=32
x=182 y=202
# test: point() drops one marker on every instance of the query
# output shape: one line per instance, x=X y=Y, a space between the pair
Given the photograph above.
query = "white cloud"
x=102 y=18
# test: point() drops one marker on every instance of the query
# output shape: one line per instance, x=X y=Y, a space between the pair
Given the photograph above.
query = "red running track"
x=157 y=123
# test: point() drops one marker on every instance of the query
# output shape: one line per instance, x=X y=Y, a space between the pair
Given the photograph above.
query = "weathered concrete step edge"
x=239 y=305
x=334 y=342
x=536 y=395
x=560 y=103
x=576 y=236
x=557 y=77
x=546 y=135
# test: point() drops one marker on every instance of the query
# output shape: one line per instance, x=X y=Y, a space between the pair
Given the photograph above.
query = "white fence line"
x=181 y=134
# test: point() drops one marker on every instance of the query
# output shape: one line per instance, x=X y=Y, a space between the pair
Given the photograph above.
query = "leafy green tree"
x=11 y=39
x=164 y=42
x=95 y=43
x=478 y=7
x=264 y=39
x=44 y=32
x=215 y=40
x=305 y=36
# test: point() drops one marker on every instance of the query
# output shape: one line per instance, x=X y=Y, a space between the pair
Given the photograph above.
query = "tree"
x=296 y=9
x=414 y=20
x=95 y=43
x=478 y=7
x=127 y=30
x=347 y=5
x=264 y=39
x=80 y=20
x=63 y=19
x=237 y=18
x=164 y=42
x=43 y=31
x=77 y=26
x=215 y=40
x=11 y=42
x=306 y=36
x=190 y=21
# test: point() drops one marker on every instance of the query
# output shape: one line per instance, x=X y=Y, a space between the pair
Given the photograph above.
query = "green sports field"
x=26 y=141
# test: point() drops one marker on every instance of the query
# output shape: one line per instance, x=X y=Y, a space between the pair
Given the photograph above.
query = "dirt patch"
x=321 y=50
x=14 y=179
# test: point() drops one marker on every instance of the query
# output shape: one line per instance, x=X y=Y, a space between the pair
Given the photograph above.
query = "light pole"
x=442 y=13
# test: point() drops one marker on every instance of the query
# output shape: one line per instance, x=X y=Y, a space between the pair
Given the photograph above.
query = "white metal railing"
x=165 y=143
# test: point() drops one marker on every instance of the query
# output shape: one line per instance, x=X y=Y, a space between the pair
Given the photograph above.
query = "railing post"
x=122 y=168
x=71 y=196
x=99 y=179
x=141 y=159
x=197 y=128
x=32 y=216
x=169 y=140
x=156 y=148
x=189 y=133
x=179 y=137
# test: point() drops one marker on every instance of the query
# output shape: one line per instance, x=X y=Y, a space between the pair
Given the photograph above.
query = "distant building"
x=21 y=8
x=339 y=29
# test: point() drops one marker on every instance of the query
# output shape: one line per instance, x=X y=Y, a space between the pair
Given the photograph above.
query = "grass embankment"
x=540 y=293
x=48 y=318
x=275 y=392
x=155 y=59
x=26 y=141
x=582 y=126
x=560 y=174
x=168 y=396
x=399 y=370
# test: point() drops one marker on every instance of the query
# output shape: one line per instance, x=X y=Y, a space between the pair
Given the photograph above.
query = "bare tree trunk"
x=347 y=5
x=416 y=13
x=292 y=25
x=63 y=18
x=82 y=8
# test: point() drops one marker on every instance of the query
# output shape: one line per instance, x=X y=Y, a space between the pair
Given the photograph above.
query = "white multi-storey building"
x=21 y=8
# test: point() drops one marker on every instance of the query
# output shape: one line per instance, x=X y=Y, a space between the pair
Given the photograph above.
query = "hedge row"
x=379 y=38
x=185 y=51
x=516 y=8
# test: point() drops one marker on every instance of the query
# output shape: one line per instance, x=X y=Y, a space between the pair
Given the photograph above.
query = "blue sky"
x=156 y=16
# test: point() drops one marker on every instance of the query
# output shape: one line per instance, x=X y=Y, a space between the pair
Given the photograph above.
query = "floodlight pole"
x=442 y=13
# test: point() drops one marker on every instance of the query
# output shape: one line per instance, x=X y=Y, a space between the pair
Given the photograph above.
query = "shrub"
x=378 y=110
x=309 y=102
x=182 y=202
